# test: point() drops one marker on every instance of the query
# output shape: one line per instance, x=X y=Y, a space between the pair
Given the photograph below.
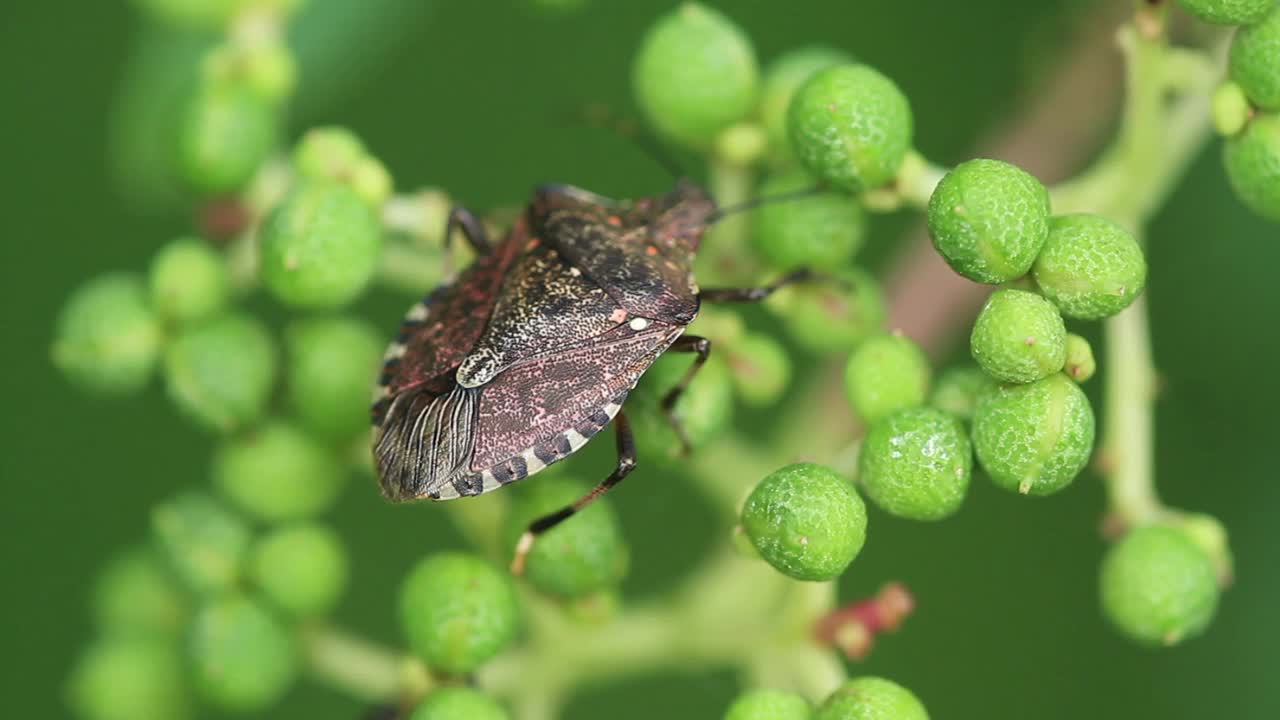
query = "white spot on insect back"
x=639 y=323
x=417 y=313
x=575 y=271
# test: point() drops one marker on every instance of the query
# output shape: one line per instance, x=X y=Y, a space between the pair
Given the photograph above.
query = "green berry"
x=782 y=78
x=1034 y=438
x=1080 y=364
x=1157 y=586
x=916 y=464
x=226 y=135
x=1230 y=109
x=244 y=658
x=1019 y=337
x=823 y=231
x=300 y=568
x=989 y=220
x=459 y=703
x=320 y=246
x=135 y=594
x=1253 y=165
x=1090 y=267
x=332 y=362
x=703 y=410
x=107 y=338
x=850 y=126
x=886 y=373
x=695 y=74
x=336 y=154
x=760 y=367
x=458 y=611
x=128 y=678
x=581 y=555
x=277 y=472
x=189 y=281
x=202 y=541
x=832 y=317
x=871 y=698
x=265 y=66
x=1255 y=59
x=220 y=372
x=806 y=521
x=1228 y=12
x=957 y=390
x=769 y=705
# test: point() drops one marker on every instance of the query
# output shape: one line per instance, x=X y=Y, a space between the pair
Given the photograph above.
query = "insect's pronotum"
x=533 y=349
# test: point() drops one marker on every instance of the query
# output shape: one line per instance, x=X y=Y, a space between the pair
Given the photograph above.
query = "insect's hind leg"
x=685 y=343
x=626 y=463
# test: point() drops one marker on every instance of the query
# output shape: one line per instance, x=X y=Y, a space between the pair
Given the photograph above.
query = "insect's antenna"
x=756 y=202
x=601 y=116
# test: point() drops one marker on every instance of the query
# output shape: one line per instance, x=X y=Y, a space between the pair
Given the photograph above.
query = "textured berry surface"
x=824 y=231
x=806 y=521
x=458 y=611
x=851 y=126
x=1255 y=60
x=202 y=541
x=277 y=472
x=189 y=281
x=1228 y=12
x=957 y=390
x=459 y=703
x=1157 y=586
x=1090 y=267
x=320 y=246
x=695 y=74
x=769 y=705
x=244 y=658
x=302 y=569
x=581 y=555
x=832 y=317
x=220 y=372
x=886 y=373
x=782 y=77
x=1019 y=337
x=989 y=220
x=1034 y=438
x=331 y=364
x=1253 y=165
x=871 y=698
x=916 y=464
x=108 y=340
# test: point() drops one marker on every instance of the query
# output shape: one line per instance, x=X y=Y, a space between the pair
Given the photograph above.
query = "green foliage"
x=202 y=541
x=107 y=338
x=824 y=231
x=872 y=698
x=1019 y=337
x=277 y=472
x=189 y=281
x=331 y=362
x=459 y=703
x=1091 y=268
x=806 y=521
x=1034 y=438
x=302 y=569
x=886 y=373
x=581 y=555
x=850 y=126
x=220 y=373
x=320 y=245
x=916 y=463
x=1157 y=586
x=695 y=74
x=1228 y=12
x=782 y=77
x=129 y=678
x=989 y=220
x=458 y=611
x=243 y=657
x=1252 y=159
x=769 y=705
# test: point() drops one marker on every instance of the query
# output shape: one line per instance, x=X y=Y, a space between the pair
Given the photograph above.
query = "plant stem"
x=361 y=668
x=1129 y=429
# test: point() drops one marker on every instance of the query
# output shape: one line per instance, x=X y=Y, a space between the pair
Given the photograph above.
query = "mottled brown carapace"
x=534 y=347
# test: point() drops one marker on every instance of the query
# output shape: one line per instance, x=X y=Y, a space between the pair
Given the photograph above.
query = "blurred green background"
x=465 y=95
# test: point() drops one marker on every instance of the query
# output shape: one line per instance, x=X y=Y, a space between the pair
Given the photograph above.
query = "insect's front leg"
x=756 y=294
x=626 y=463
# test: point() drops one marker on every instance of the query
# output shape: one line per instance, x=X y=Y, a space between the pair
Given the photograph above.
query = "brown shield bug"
x=534 y=347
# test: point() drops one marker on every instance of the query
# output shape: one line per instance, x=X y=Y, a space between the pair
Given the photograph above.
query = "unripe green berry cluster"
x=863 y=698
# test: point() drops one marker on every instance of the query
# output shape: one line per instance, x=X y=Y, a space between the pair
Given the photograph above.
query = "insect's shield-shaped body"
x=535 y=346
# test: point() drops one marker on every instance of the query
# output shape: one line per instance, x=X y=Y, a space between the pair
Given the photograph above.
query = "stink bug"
x=534 y=347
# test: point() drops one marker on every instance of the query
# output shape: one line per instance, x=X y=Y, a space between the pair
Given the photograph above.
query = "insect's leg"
x=626 y=463
x=756 y=294
x=685 y=343
x=472 y=229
